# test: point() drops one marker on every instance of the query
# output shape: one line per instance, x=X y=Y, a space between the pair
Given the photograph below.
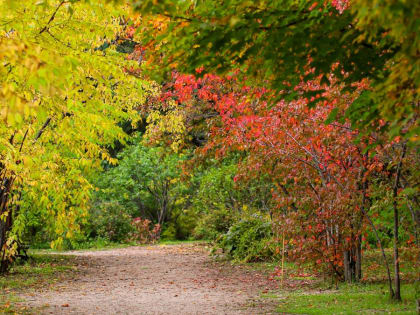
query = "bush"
x=185 y=223
x=169 y=232
x=144 y=232
x=110 y=221
x=250 y=239
x=214 y=223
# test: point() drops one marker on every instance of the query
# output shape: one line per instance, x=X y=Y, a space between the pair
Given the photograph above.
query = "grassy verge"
x=306 y=292
x=40 y=271
x=349 y=299
x=177 y=242
x=100 y=244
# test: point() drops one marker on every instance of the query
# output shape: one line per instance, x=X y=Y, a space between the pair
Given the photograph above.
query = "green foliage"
x=382 y=206
x=214 y=223
x=216 y=201
x=145 y=182
x=250 y=239
x=219 y=201
x=392 y=27
x=185 y=221
x=110 y=220
x=169 y=233
x=216 y=188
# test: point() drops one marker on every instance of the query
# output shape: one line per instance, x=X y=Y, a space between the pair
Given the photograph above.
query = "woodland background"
x=281 y=131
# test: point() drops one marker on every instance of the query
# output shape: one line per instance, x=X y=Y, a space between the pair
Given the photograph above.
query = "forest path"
x=159 y=279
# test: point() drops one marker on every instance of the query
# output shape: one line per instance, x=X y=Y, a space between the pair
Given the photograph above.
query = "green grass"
x=374 y=270
x=7 y=305
x=100 y=244
x=350 y=299
x=39 y=267
x=41 y=270
x=371 y=296
x=92 y=244
x=178 y=242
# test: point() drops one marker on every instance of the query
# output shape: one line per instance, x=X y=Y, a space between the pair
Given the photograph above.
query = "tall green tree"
x=146 y=182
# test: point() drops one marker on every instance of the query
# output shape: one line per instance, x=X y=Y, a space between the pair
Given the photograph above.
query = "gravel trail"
x=159 y=279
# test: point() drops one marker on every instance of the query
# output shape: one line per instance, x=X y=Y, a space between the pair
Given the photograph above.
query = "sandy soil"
x=175 y=279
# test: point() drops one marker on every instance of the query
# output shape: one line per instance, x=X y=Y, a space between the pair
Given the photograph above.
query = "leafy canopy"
x=61 y=99
x=284 y=42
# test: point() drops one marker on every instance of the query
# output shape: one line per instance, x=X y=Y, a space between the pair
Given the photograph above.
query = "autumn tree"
x=287 y=44
x=323 y=179
x=61 y=97
x=278 y=41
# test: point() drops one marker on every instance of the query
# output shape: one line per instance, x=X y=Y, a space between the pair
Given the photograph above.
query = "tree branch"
x=52 y=17
x=41 y=131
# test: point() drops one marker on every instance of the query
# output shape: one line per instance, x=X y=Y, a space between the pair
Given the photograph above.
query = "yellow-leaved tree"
x=63 y=93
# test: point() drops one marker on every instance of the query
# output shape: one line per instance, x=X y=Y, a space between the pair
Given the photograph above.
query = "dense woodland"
x=276 y=130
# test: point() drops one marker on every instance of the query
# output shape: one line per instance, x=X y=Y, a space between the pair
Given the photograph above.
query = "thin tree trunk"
x=378 y=239
x=391 y=290
x=282 y=262
x=397 y=281
x=359 y=259
x=5 y=222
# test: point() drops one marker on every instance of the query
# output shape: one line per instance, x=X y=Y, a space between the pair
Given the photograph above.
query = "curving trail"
x=171 y=279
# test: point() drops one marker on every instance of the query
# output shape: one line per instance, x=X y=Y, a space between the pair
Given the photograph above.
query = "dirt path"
x=175 y=279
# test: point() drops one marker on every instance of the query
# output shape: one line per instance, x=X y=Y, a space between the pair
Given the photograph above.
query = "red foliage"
x=317 y=168
x=144 y=232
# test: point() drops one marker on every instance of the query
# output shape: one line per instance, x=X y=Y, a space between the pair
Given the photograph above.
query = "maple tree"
x=353 y=60
x=322 y=178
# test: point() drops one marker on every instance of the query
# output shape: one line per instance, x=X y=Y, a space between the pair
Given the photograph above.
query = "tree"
x=62 y=97
x=277 y=42
x=145 y=182
x=323 y=180
x=371 y=45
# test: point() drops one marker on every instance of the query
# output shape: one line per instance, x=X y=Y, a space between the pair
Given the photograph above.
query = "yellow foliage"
x=61 y=99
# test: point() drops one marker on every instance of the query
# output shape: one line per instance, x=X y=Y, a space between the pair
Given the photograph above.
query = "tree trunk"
x=352 y=262
x=8 y=211
x=5 y=222
x=358 y=270
x=388 y=272
x=397 y=281
x=347 y=266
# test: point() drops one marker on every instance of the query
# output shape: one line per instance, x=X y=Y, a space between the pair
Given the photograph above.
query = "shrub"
x=185 y=221
x=250 y=239
x=169 y=232
x=144 y=232
x=110 y=221
x=214 y=223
